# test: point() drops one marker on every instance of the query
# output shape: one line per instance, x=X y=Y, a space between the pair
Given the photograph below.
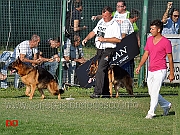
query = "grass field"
x=85 y=116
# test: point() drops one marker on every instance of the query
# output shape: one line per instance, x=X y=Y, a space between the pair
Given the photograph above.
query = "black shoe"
x=94 y=96
x=105 y=96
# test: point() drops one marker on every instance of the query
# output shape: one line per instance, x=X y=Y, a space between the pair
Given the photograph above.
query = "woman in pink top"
x=157 y=48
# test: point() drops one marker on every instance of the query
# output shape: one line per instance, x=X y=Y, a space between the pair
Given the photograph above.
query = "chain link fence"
x=19 y=19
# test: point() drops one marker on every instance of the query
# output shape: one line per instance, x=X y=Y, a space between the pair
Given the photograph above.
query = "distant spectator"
x=73 y=55
x=27 y=52
x=171 y=20
x=49 y=54
x=73 y=47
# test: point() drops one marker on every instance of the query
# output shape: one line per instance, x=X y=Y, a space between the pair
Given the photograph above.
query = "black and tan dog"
x=35 y=77
x=117 y=77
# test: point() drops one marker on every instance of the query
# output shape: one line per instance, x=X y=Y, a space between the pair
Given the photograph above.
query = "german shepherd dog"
x=117 y=77
x=35 y=77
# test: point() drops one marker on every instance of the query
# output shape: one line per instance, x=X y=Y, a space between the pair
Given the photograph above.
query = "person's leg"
x=154 y=82
x=105 y=91
x=16 y=81
x=72 y=72
x=65 y=73
x=2 y=76
x=53 y=67
x=166 y=105
x=101 y=74
x=4 y=82
x=163 y=102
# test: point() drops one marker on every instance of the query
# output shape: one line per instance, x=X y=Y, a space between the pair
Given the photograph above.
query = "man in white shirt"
x=107 y=32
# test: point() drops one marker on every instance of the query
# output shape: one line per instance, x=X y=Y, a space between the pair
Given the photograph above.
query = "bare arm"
x=139 y=40
x=165 y=16
x=88 y=37
x=81 y=60
x=171 y=66
x=76 y=26
x=143 y=60
x=97 y=17
x=24 y=59
x=109 y=40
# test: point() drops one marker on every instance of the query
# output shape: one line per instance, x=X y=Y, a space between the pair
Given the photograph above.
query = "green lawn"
x=85 y=116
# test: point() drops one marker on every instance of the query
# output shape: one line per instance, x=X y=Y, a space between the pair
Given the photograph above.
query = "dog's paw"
x=42 y=97
x=27 y=94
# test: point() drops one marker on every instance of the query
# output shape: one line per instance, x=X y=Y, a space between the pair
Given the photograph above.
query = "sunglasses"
x=119 y=6
x=176 y=15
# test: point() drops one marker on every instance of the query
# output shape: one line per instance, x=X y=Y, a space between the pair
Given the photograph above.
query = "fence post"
x=143 y=40
x=62 y=34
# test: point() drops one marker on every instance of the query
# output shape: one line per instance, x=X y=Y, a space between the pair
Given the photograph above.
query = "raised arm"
x=165 y=16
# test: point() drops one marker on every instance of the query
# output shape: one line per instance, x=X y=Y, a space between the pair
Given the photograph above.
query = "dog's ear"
x=96 y=62
x=19 y=60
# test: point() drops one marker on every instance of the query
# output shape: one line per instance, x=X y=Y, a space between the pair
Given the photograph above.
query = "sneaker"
x=166 y=110
x=149 y=116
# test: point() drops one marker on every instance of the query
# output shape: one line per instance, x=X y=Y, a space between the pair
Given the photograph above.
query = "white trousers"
x=154 y=82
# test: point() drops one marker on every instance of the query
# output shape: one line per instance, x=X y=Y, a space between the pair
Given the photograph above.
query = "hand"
x=138 y=69
x=50 y=60
x=84 y=42
x=169 y=5
x=38 y=61
x=93 y=18
x=84 y=27
x=101 y=39
x=171 y=77
x=81 y=60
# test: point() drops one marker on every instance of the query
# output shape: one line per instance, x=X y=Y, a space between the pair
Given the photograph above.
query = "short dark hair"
x=171 y=11
x=57 y=39
x=107 y=8
x=134 y=13
x=77 y=3
x=158 y=23
x=124 y=3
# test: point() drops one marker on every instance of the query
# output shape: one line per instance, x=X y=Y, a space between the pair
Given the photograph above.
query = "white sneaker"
x=149 y=116
x=166 y=110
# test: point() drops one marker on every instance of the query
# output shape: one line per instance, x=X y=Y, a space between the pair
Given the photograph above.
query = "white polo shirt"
x=107 y=30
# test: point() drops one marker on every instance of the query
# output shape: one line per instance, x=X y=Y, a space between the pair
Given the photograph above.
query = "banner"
x=126 y=50
x=82 y=74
